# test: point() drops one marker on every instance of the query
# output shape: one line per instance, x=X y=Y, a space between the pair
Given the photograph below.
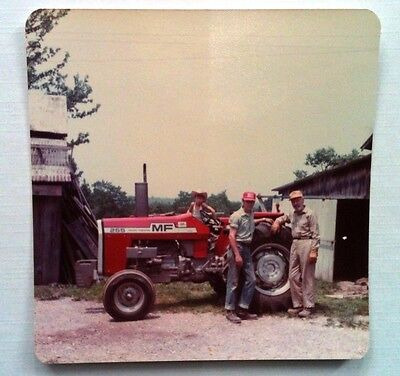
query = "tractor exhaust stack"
x=141 y=196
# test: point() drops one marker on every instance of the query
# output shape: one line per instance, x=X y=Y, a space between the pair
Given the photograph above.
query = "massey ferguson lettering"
x=154 y=228
x=162 y=227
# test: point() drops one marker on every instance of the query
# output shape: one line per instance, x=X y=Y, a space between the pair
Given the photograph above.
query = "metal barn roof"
x=347 y=181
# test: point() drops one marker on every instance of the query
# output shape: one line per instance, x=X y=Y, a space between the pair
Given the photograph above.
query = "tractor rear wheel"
x=128 y=295
x=271 y=264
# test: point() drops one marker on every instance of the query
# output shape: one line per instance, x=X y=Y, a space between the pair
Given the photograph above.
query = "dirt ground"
x=80 y=331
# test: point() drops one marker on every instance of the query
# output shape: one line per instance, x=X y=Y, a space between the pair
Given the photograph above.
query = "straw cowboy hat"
x=199 y=192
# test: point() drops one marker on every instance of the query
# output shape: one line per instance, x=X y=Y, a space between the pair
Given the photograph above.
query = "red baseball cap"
x=249 y=196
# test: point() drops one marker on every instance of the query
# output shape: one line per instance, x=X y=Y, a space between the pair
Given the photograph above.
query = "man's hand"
x=239 y=261
x=266 y=220
x=313 y=256
x=275 y=228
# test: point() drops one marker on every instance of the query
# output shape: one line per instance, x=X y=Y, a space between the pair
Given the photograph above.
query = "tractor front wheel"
x=128 y=295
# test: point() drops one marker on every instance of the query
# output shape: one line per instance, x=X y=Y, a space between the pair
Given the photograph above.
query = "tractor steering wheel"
x=213 y=223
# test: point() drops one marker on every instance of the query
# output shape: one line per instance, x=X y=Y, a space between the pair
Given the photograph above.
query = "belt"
x=302 y=237
x=243 y=243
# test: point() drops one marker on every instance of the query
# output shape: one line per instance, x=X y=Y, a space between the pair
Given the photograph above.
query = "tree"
x=108 y=200
x=221 y=203
x=182 y=202
x=323 y=159
x=159 y=205
x=354 y=154
x=45 y=65
x=300 y=174
x=45 y=72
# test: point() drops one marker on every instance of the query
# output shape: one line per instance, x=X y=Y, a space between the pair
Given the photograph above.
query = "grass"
x=171 y=297
x=184 y=296
x=340 y=311
x=57 y=291
x=199 y=298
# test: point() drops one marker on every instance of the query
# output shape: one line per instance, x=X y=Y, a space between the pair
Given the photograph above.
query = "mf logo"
x=162 y=227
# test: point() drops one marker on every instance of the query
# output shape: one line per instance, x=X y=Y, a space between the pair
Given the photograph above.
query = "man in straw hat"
x=303 y=254
x=242 y=224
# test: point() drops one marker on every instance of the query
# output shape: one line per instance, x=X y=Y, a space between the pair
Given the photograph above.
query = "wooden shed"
x=340 y=198
x=64 y=228
x=50 y=171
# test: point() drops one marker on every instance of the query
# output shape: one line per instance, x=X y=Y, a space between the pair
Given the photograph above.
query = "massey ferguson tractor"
x=139 y=251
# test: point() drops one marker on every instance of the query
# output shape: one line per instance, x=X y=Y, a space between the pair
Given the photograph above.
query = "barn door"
x=351 y=249
x=46 y=239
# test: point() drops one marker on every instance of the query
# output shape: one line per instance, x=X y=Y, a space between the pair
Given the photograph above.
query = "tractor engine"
x=170 y=261
x=166 y=248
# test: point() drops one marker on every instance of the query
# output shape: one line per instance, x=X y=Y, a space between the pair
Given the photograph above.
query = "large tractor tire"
x=271 y=264
x=128 y=295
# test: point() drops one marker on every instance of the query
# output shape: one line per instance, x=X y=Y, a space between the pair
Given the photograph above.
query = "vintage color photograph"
x=200 y=183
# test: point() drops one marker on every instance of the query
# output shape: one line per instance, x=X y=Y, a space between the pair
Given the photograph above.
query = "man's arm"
x=190 y=210
x=314 y=229
x=279 y=222
x=234 y=247
x=210 y=209
x=267 y=220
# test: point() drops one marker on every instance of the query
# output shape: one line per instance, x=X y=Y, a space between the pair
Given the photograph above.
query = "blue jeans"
x=232 y=281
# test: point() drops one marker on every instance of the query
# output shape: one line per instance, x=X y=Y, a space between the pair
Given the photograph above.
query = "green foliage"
x=218 y=201
x=323 y=159
x=340 y=312
x=300 y=174
x=182 y=202
x=83 y=138
x=160 y=205
x=45 y=65
x=108 y=200
x=221 y=203
x=348 y=157
x=74 y=167
x=58 y=291
x=187 y=297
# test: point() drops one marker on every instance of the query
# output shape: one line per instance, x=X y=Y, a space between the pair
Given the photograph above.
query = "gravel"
x=80 y=331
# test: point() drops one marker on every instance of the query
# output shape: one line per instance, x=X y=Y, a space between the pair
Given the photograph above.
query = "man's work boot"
x=294 y=311
x=245 y=315
x=306 y=312
x=232 y=317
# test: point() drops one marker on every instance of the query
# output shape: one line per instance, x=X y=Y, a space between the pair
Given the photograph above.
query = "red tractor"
x=136 y=252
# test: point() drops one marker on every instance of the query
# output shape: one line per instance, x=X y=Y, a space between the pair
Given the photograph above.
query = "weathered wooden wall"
x=46 y=238
x=349 y=181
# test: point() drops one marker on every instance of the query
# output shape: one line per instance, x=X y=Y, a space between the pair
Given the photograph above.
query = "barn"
x=64 y=228
x=340 y=198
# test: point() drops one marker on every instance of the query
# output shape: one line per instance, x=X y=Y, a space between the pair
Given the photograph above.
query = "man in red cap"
x=242 y=224
x=303 y=254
